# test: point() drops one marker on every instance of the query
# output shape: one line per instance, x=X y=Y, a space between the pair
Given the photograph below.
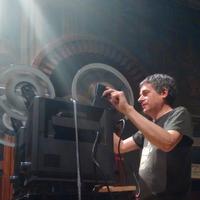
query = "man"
x=165 y=140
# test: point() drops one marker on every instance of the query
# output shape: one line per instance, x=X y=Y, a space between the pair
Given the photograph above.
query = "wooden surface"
x=195 y=175
x=126 y=188
x=196 y=142
x=195 y=171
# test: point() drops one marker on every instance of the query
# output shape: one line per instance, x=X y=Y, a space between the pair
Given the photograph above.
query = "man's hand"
x=117 y=99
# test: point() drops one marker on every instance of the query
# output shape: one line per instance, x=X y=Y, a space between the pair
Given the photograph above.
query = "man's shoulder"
x=179 y=112
x=180 y=109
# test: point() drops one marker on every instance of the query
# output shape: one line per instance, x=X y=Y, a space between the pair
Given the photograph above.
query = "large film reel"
x=86 y=79
x=17 y=84
x=6 y=128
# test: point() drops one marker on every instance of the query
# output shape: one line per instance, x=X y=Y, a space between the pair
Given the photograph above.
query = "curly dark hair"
x=161 y=82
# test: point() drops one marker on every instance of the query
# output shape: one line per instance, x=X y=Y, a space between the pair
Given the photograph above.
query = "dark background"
x=137 y=37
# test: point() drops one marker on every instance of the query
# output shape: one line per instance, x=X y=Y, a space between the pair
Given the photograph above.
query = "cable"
x=93 y=150
x=98 y=165
x=77 y=150
x=137 y=195
x=16 y=124
x=28 y=91
x=121 y=130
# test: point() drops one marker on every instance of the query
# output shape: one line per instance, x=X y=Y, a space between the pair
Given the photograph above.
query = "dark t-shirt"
x=162 y=173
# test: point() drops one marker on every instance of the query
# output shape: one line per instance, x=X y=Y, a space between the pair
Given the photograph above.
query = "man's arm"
x=164 y=140
x=126 y=145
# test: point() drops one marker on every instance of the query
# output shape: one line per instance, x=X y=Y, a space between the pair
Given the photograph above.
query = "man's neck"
x=165 y=109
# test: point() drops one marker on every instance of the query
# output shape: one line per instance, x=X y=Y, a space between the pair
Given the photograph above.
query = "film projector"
x=47 y=127
x=15 y=80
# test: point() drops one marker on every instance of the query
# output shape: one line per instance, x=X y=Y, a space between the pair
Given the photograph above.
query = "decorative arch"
x=61 y=59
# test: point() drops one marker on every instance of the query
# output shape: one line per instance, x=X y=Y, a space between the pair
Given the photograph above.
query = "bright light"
x=2 y=7
x=39 y=26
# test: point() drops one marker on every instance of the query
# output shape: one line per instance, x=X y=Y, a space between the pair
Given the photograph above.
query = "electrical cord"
x=121 y=130
x=77 y=150
x=137 y=195
x=28 y=93
x=94 y=150
x=97 y=163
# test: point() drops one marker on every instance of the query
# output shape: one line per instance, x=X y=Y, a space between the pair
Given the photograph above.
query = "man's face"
x=150 y=100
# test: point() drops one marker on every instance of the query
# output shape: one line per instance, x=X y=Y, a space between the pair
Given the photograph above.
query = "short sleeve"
x=139 y=139
x=180 y=120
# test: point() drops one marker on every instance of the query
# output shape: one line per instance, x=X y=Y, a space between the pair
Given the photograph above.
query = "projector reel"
x=87 y=78
x=20 y=83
